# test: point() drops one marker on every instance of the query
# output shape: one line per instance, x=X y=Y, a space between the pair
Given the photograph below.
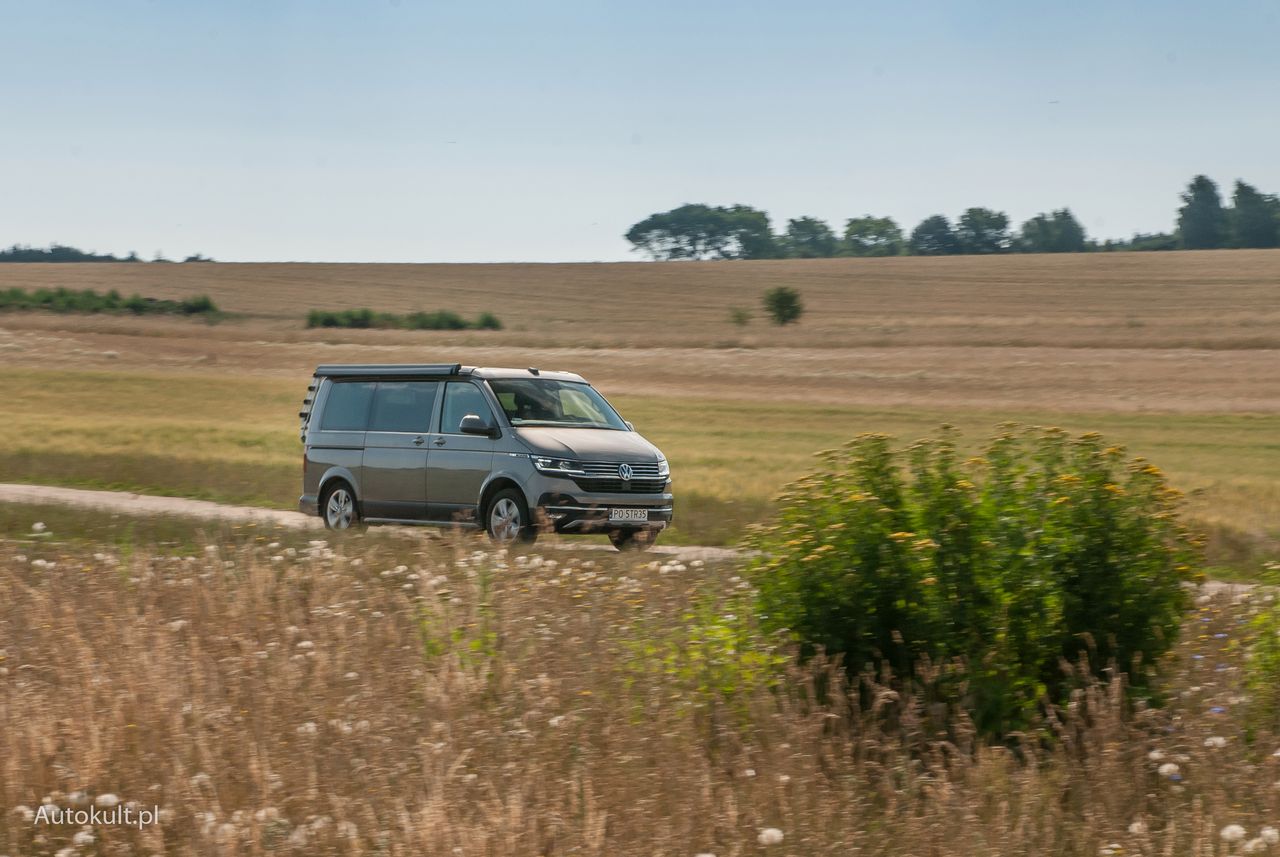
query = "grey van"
x=514 y=451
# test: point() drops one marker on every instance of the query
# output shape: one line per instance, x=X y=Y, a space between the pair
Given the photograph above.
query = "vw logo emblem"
x=624 y=472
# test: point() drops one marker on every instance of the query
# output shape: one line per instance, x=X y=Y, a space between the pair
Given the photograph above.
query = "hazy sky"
x=499 y=131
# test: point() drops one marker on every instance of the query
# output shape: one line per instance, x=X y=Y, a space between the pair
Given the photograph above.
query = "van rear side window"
x=347 y=406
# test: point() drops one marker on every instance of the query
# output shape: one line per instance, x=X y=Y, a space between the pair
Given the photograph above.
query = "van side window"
x=347 y=407
x=403 y=406
x=460 y=399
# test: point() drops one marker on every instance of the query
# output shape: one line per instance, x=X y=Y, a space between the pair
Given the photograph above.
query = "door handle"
x=417 y=441
x=439 y=441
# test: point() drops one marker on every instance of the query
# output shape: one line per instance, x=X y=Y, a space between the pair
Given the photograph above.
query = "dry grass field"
x=385 y=696
x=1175 y=354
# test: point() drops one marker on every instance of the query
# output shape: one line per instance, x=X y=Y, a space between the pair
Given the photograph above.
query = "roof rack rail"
x=387 y=369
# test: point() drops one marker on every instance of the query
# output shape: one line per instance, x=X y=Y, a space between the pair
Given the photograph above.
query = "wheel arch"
x=340 y=474
x=493 y=486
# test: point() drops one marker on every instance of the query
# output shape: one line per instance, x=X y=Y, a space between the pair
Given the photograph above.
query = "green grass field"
x=235 y=440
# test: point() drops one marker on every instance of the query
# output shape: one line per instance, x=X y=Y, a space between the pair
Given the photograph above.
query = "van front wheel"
x=507 y=519
x=633 y=540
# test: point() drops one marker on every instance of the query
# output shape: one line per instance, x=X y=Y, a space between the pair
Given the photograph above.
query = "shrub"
x=62 y=300
x=740 y=316
x=1263 y=665
x=367 y=318
x=1043 y=551
x=783 y=305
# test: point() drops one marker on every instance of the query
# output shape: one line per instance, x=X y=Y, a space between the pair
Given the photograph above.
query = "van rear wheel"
x=633 y=540
x=507 y=519
x=338 y=508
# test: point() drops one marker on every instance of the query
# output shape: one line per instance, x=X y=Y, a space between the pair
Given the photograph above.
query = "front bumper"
x=567 y=513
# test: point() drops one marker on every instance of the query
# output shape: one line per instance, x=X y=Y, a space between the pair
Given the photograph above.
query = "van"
x=513 y=451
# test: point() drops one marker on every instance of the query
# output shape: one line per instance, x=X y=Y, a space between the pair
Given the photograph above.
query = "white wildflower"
x=1253 y=846
x=83 y=839
x=1216 y=742
x=107 y=801
x=1156 y=755
x=38 y=527
x=1270 y=835
x=1168 y=769
x=557 y=721
x=307 y=728
x=1138 y=828
x=1232 y=833
x=769 y=836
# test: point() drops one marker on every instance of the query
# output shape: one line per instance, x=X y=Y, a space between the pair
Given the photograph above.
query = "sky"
x=422 y=131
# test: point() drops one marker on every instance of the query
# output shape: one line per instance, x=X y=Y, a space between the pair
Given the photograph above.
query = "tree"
x=981 y=230
x=1056 y=232
x=934 y=237
x=872 y=236
x=695 y=231
x=783 y=305
x=1202 y=223
x=1253 y=218
x=810 y=238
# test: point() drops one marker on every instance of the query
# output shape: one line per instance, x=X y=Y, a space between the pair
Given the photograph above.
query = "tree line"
x=63 y=253
x=695 y=231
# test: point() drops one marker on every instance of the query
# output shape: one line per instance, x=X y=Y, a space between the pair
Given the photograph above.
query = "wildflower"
x=1269 y=835
x=1254 y=845
x=1156 y=755
x=307 y=728
x=38 y=527
x=107 y=801
x=1169 y=769
x=83 y=839
x=769 y=836
x=1109 y=850
x=1232 y=833
x=1138 y=828
x=1217 y=742
x=557 y=721
x=784 y=779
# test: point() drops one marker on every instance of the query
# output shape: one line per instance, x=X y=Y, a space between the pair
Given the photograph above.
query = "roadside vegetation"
x=87 y=301
x=274 y=692
x=366 y=318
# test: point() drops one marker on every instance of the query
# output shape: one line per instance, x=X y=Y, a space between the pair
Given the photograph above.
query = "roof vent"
x=533 y=370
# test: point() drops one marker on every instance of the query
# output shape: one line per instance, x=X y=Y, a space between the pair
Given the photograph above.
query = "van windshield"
x=544 y=402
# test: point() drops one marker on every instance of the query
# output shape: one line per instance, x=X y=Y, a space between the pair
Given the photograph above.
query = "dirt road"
x=146 y=504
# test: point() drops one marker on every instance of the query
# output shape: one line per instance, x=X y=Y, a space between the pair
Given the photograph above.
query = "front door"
x=460 y=463
x=396 y=449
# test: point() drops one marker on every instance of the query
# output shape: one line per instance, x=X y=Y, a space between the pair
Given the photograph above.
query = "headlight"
x=556 y=466
x=664 y=469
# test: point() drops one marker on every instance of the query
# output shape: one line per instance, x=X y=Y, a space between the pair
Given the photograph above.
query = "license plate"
x=620 y=516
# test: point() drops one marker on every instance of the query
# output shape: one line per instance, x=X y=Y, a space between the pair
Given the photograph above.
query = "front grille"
x=617 y=486
x=609 y=469
x=602 y=477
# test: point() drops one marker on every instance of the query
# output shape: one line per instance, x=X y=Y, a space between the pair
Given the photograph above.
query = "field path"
x=148 y=504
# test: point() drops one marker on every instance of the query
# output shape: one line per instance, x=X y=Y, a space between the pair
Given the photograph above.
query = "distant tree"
x=1056 y=232
x=783 y=305
x=741 y=316
x=934 y=237
x=705 y=232
x=981 y=230
x=872 y=236
x=1253 y=218
x=1202 y=222
x=751 y=236
x=809 y=238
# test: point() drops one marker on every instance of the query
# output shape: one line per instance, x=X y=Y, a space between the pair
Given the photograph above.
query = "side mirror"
x=472 y=424
x=630 y=427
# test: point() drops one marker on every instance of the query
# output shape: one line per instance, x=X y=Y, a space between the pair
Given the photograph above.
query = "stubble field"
x=1175 y=355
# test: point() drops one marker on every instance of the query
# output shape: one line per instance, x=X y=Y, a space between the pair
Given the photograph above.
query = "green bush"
x=783 y=305
x=1263 y=665
x=367 y=318
x=1000 y=569
x=88 y=301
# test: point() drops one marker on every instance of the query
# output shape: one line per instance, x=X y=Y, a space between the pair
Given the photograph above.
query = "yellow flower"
x=901 y=537
x=929 y=581
x=1061 y=500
